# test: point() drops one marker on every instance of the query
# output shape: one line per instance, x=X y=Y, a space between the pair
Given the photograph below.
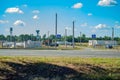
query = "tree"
x=69 y=38
x=21 y=37
x=27 y=37
x=8 y=38
x=83 y=38
x=2 y=38
x=52 y=37
x=107 y=38
x=44 y=37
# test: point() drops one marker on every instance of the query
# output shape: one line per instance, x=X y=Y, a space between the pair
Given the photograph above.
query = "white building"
x=25 y=44
x=32 y=44
x=102 y=42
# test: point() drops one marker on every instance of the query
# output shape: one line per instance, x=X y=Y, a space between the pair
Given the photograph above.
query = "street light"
x=112 y=33
x=80 y=38
x=73 y=34
x=65 y=37
x=48 y=39
x=55 y=29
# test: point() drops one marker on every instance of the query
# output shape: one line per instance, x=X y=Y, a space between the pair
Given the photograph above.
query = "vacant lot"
x=59 y=68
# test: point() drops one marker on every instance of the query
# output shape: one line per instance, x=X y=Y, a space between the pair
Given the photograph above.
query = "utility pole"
x=112 y=34
x=80 y=38
x=55 y=29
x=65 y=37
x=73 y=35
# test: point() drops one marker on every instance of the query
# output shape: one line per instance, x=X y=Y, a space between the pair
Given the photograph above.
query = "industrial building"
x=25 y=44
x=102 y=43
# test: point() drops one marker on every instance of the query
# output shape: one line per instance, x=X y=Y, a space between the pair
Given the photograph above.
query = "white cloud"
x=4 y=21
x=35 y=17
x=36 y=11
x=93 y=31
x=107 y=2
x=19 y=23
x=100 y=26
x=68 y=28
x=77 y=5
x=90 y=14
x=84 y=25
x=14 y=10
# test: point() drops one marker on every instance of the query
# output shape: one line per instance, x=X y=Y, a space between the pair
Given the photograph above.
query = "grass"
x=59 y=68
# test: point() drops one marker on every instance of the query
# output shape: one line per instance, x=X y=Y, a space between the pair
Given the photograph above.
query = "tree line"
x=25 y=37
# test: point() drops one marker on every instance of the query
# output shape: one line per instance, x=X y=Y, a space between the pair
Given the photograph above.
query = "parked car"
x=109 y=46
x=54 y=44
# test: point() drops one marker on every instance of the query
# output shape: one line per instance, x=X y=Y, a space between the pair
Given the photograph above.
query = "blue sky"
x=90 y=16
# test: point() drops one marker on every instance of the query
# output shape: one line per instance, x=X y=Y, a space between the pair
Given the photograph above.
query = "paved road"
x=65 y=53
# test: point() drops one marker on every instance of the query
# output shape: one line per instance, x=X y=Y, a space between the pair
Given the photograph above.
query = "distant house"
x=102 y=42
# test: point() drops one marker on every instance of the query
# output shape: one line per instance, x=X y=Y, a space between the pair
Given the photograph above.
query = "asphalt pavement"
x=65 y=53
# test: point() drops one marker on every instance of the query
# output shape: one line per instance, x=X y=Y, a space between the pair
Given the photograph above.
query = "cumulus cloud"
x=36 y=11
x=35 y=17
x=84 y=25
x=4 y=21
x=14 y=10
x=90 y=14
x=100 y=26
x=77 y=5
x=19 y=23
x=107 y=2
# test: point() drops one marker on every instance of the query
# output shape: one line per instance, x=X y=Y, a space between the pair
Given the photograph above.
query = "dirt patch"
x=29 y=70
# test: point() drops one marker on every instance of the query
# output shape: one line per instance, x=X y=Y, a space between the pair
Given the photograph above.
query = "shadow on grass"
x=45 y=71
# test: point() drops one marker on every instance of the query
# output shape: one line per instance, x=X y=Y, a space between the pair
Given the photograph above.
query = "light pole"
x=112 y=34
x=55 y=29
x=73 y=35
x=80 y=38
x=65 y=37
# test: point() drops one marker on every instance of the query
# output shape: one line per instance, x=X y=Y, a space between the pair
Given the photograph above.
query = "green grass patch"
x=59 y=68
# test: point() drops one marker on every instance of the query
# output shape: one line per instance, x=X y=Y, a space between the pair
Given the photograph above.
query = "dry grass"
x=59 y=68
